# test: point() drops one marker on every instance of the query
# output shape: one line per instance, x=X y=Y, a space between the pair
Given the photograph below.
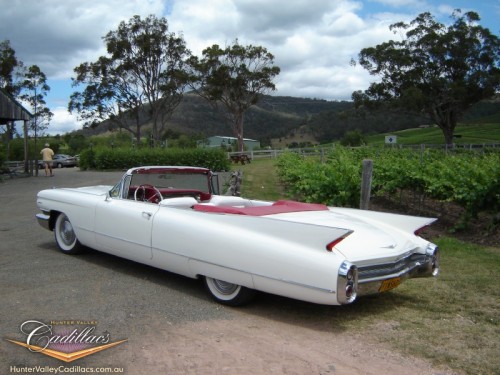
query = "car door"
x=123 y=228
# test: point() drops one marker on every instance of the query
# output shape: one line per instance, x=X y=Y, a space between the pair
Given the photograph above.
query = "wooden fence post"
x=366 y=184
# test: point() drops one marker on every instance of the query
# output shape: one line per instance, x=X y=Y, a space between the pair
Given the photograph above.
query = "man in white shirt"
x=47 y=155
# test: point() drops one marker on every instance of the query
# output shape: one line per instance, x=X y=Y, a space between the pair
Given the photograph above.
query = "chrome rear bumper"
x=371 y=278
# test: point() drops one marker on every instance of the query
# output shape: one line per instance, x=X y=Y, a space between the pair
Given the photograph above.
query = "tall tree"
x=8 y=66
x=34 y=89
x=9 y=70
x=437 y=70
x=233 y=79
x=142 y=79
x=27 y=85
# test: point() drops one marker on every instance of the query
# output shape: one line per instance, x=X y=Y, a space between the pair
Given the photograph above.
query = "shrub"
x=113 y=159
x=336 y=182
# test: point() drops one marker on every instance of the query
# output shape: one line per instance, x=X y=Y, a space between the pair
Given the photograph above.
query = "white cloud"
x=59 y=35
x=402 y=3
x=62 y=122
x=312 y=41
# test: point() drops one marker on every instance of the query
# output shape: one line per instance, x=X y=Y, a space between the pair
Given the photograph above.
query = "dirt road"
x=170 y=324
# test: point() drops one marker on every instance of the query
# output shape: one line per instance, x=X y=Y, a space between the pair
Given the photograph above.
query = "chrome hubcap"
x=67 y=233
x=224 y=287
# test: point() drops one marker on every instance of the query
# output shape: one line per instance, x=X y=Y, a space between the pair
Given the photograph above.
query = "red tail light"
x=335 y=242
x=420 y=230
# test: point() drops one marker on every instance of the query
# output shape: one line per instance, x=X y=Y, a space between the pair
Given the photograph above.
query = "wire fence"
x=310 y=151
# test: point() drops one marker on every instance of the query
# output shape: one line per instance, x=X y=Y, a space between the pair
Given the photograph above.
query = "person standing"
x=47 y=155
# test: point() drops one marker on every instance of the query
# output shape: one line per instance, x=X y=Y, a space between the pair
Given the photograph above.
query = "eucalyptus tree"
x=8 y=66
x=34 y=89
x=28 y=86
x=232 y=80
x=437 y=70
x=141 y=80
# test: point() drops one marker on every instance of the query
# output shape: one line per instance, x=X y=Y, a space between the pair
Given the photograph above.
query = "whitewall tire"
x=228 y=293
x=65 y=236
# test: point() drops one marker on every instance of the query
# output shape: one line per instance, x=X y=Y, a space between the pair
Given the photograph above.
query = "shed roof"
x=231 y=138
x=11 y=109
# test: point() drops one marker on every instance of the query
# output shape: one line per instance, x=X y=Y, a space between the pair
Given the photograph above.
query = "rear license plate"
x=389 y=284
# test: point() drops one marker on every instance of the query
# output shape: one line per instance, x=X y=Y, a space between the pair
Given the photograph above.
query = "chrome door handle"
x=147 y=215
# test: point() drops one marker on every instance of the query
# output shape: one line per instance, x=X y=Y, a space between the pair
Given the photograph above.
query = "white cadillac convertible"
x=173 y=218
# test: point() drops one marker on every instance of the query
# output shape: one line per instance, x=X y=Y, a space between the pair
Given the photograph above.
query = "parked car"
x=173 y=218
x=60 y=161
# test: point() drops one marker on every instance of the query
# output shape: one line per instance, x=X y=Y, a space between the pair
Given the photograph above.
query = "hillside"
x=272 y=117
x=464 y=134
x=281 y=120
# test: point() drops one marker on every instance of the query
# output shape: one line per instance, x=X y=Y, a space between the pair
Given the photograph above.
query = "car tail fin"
x=336 y=241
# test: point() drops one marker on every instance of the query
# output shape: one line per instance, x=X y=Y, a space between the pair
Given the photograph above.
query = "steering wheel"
x=143 y=187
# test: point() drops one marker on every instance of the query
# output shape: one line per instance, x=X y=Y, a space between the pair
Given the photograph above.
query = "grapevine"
x=469 y=179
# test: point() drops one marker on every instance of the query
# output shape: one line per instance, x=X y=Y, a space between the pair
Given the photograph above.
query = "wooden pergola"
x=11 y=110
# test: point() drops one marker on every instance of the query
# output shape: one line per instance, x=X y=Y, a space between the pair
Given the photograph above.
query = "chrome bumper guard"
x=413 y=266
x=43 y=220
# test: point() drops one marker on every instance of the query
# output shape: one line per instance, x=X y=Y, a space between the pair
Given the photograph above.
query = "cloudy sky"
x=312 y=40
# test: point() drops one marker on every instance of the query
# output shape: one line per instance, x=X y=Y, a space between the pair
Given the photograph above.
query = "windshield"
x=173 y=180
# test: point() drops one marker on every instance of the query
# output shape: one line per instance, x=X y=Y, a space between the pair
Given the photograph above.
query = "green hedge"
x=113 y=159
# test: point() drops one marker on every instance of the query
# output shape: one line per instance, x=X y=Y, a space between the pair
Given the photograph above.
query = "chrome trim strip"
x=331 y=291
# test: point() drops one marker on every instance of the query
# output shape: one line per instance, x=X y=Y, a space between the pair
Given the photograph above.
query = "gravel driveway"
x=171 y=325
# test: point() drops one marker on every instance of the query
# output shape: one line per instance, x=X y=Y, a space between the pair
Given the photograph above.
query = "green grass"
x=260 y=180
x=478 y=133
x=451 y=320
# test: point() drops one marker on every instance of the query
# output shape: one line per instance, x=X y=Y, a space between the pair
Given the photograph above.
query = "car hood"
x=83 y=196
x=374 y=234
x=93 y=190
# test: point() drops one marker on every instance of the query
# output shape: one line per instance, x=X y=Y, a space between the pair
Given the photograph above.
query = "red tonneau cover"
x=278 y=207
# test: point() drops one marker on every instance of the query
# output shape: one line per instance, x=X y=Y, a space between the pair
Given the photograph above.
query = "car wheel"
x=65 y=236
x=59 y=165
x=228 y=293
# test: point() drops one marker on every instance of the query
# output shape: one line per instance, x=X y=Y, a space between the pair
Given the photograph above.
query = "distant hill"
x=484 y=112
x=464 y=134
x=272 y=117
x=281 y=120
